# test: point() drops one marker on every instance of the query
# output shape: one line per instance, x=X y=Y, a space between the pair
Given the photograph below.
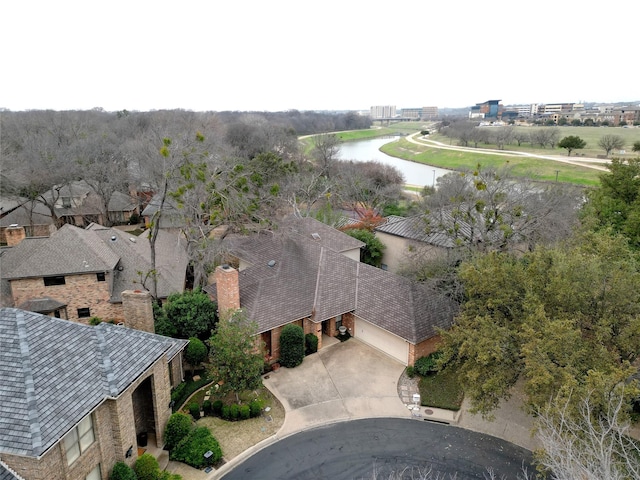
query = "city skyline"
x=253 y=56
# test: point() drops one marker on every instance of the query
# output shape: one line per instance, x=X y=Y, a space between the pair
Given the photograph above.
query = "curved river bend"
x=414 y=173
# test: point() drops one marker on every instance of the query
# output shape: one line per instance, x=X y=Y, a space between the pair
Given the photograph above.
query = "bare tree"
x=590 y=444
x=326 y=148
x=611 y=142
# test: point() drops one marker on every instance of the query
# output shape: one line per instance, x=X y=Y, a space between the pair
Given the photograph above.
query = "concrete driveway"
x=344 y=381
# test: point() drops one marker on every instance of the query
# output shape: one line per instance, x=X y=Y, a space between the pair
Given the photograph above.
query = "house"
x=81 y=273
x=31 y=215
x=306 y=279
x=171 y=219
x=76 y=399
x=405 y=236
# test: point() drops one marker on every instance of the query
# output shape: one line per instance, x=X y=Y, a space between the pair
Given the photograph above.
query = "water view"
x=366 y=150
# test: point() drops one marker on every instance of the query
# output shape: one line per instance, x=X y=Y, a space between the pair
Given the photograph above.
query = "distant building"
x=422 y=113
x=415 y=113
x=383 y=111
x=488 y=109
x=429 y=113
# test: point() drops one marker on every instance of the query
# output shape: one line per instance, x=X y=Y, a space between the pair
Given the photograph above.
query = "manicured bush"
x=427 y=365
x=178 y=427
x=146 y=467
x=207 y=407
x=192 y=449
x=226 y=412
x=256 y=408
x=194 y=410
x=311 y=343
x=234 y=411
x=122 y=471
x=291 y=346
x=410 y=372
x=245 y=412
x=216 y=407
x=183 y=391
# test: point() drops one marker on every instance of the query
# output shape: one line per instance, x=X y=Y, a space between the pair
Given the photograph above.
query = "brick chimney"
x=227 y=289
x=14 y=234
x=138 y=310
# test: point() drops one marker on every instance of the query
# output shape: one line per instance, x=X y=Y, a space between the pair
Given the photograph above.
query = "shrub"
x=256 y=408
x=192 y=449
x=122 y=471
x=411 y=372
x=95 y=321
x=216 y=407
x=427 y=365
x=178 y=427
x=234 y=411
x=245 y=412
x=146 y=467
x=185 y=389
x=226 y=412
x=311 y=343
x=194 y=410
x=134 y=218
x=207 y=407
x=291 y=346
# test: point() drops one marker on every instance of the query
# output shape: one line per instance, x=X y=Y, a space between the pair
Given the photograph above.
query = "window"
x=95 y=474
x=84 y=312
x=79 y=439
x=50 y=281
x=101 y=276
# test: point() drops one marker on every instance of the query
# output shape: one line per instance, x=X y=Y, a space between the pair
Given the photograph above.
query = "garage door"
x=382 y=340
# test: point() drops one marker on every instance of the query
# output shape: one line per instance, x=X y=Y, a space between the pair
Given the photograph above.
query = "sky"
x=257 y=55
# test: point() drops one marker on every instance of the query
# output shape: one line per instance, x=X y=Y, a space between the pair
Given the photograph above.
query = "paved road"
x=353 y=450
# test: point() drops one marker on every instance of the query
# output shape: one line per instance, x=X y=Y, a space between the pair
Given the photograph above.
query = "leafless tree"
x=611 y=142
x=326 y=148
x=590 y=444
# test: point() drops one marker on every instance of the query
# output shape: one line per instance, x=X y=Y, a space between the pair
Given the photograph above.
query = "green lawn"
x=441 y=390
x=539 y=169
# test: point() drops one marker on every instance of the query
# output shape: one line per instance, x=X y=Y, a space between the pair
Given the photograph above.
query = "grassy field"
x=538 y=169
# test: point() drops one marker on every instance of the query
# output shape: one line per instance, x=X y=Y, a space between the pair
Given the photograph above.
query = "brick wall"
x=138 y=310
x=423 y=349
x=14 y=235
x=79 y=291
x=227 y=289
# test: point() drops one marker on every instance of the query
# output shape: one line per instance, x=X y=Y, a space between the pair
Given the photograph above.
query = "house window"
x=50 y=281
x=84 y=312
x=66 y=202
x=101 y=276
x=95 y=474
x=338 y=321
x=79 y=439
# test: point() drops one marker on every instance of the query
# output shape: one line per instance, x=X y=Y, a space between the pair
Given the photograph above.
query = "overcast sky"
x=330 y=55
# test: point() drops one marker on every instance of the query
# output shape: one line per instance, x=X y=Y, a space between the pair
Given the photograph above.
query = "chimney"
x=138 y=310
x=227 y=289
x=14 y=234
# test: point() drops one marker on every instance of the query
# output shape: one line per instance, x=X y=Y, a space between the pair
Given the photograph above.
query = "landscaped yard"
x=441 y=390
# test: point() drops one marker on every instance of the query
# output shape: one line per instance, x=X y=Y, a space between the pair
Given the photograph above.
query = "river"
x=366 y=150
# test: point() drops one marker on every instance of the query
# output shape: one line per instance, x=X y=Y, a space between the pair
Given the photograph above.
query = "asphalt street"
x=378 y=447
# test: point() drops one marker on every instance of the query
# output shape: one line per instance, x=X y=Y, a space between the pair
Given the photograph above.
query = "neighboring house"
x=405 y=236
x=121 y=208
x=171 y=219
x=81 y=273
x=305 y=279
x=33 y=216
x=75 y=399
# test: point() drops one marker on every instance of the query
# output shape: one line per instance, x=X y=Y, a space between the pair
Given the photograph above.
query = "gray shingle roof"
x=68 y=250
x=54 y=372
x=25 y=213
x=42 y=305
x=310 y=280
x=7 y=474
x=416 y=228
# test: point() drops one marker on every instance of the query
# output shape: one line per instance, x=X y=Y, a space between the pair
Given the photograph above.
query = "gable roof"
x=67 y=251
x=7 y=473
x=307 y=279
x=73 y=250
x=23 y=212
x=55 y=372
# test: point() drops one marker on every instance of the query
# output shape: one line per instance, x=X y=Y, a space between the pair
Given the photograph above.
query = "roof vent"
x=113 y=238
x=13 y=225
x=271 y=263
x=316 y=236
x=132 y=239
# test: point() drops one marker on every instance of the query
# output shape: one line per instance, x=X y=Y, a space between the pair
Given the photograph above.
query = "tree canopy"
x=234 y=356
x=185 y=315
x=564 y=318
x=571 y=143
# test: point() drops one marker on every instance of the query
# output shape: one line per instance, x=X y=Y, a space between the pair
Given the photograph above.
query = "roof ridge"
x=105 y=362
x=29 y=382
x=315 y=294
